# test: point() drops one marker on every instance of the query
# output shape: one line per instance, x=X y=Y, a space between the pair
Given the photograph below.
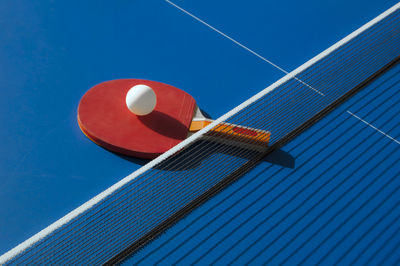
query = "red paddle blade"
x=104 y=118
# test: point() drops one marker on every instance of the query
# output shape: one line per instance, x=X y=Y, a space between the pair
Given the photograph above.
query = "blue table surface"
x=330 y=196
x=52 y=52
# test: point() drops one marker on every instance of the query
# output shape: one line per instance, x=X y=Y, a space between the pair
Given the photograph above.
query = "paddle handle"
x=235 y=132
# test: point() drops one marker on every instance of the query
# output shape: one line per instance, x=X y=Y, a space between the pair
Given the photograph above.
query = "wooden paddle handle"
x=234 y=132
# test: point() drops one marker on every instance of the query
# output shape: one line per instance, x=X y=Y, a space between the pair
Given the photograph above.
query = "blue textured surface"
x=53 y=52
x=339 y=204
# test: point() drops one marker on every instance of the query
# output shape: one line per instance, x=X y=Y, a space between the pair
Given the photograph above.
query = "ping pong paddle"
x=104 y=117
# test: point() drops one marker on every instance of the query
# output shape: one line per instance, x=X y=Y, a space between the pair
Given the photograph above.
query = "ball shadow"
x=164 y=125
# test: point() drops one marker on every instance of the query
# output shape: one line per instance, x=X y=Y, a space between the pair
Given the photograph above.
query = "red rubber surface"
x=105 y=119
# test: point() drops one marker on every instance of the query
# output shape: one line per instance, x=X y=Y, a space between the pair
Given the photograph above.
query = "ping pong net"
x=122 y=219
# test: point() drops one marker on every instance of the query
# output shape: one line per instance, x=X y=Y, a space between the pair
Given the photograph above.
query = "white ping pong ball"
x=141 y=99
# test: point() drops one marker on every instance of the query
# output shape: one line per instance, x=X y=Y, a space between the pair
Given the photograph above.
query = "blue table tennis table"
x=330 y=195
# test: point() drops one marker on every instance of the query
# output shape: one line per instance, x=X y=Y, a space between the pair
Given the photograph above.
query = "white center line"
x=243 y=46
x=380 y=131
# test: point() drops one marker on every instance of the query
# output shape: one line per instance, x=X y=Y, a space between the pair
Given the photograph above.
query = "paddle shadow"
x=281 y=158
x=186 y=159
